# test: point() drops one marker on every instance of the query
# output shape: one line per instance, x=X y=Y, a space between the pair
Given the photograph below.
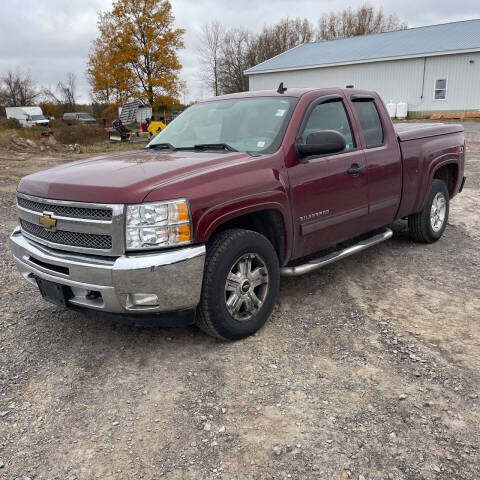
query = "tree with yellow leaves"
x=136 y=54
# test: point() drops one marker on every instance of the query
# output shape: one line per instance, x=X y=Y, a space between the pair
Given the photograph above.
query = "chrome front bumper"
x=174 y=276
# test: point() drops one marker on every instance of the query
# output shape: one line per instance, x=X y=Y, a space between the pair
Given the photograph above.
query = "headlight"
x=158 y=224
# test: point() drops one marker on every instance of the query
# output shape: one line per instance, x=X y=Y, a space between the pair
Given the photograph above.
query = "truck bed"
x=414 y=131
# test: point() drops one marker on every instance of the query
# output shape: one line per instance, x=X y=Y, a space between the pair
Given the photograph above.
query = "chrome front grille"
x=64 y=211
x=73 y=239
x=80 y=227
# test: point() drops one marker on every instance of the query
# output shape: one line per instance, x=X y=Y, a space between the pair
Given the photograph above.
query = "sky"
x=51 y=38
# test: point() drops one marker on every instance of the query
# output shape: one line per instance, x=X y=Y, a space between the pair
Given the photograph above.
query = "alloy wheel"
x=246 y=286
x=438 y=212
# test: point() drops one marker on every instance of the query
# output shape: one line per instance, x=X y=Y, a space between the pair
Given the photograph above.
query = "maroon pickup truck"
x=238 y=190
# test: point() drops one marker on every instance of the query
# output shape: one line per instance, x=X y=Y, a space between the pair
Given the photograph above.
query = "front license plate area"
x=54 y=292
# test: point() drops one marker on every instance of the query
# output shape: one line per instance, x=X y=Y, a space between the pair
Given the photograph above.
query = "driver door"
x=329 y=200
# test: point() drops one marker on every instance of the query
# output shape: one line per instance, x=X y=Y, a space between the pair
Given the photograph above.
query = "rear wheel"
x=428 y=225
x=240 y=284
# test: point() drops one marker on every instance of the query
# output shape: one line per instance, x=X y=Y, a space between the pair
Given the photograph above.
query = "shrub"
x=81 y=134
x=33 y=133
x=10 y=123
x=51 y=109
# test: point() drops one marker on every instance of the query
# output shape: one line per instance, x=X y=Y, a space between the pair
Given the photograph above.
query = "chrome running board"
x=335 y=256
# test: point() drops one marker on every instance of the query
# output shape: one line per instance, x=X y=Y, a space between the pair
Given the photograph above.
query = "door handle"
x=355 y=169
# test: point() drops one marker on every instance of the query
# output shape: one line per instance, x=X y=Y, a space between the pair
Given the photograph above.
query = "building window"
x=440 y=89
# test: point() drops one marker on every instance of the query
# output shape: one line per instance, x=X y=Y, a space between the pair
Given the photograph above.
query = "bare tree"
x=211 y=40
x=226 y=54
x=68 y=90
x=241 y=50
x=351 y=23
x=18 y=89
x=234 y=61
x=64 y=94
x=276 y=39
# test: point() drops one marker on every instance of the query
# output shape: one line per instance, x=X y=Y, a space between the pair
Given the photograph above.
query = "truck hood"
x=126 y=177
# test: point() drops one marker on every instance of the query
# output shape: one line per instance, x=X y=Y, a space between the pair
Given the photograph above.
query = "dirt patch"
x=464 y=212
x=368 y=369
x=47 y=145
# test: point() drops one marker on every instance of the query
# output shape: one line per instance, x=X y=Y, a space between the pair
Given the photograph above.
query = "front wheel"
x=240 y=284
x=428 y=225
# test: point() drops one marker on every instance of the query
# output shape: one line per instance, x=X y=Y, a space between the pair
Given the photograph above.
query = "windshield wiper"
x=214 y=146
x=162 y=146
x=200 y=146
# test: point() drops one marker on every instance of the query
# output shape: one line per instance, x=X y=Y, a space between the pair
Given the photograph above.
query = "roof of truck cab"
x=291 y=92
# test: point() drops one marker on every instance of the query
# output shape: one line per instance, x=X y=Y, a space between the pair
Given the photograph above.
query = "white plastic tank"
x=402 y=109
x=392 y=109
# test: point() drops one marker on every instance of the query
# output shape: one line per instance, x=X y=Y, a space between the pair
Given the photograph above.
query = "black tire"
x=223 y=251
x=420 y=224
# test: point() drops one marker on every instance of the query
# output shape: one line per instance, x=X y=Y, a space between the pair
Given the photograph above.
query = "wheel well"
x=449 y=175
x=269 y=223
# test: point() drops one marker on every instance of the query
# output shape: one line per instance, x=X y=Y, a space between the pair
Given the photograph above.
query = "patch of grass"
x=33 y=133
x=9 y=124
x=75 y=134
x=4 y=133
x=81 y=134
x=91 y=138
x=106 y=146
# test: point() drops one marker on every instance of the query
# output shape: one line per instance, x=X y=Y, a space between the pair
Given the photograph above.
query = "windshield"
x=37 y=117
x=84 y=115
x=244 y=124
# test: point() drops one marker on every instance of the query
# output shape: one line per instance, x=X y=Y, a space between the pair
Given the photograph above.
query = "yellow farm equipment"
x=155 y=127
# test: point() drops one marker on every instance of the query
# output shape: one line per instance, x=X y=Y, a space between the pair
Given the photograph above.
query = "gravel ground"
x=368 y=369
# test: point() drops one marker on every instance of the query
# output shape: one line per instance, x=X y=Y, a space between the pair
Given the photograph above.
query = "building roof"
x=447 y=38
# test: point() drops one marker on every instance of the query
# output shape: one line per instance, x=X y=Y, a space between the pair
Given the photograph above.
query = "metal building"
x=434 y=68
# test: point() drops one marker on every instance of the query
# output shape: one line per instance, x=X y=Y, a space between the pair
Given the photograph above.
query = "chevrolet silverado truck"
x=238 y=190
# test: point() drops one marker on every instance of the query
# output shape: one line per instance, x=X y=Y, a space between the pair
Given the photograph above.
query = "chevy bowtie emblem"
x=47 y=221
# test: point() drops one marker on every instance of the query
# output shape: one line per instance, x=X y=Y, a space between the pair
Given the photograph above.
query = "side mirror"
x=322 y=142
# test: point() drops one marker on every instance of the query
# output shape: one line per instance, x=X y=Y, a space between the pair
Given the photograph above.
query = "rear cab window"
x=370 y=123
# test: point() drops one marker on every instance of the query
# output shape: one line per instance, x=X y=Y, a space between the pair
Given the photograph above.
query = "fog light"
x=142 y=300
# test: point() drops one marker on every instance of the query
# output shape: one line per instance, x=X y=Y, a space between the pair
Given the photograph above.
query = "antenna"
x=281 y=88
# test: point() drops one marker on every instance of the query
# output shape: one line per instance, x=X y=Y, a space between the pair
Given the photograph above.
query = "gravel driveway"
x=368 y=369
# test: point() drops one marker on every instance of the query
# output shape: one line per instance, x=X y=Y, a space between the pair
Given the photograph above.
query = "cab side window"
x=370 y=123
x=330 y=116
